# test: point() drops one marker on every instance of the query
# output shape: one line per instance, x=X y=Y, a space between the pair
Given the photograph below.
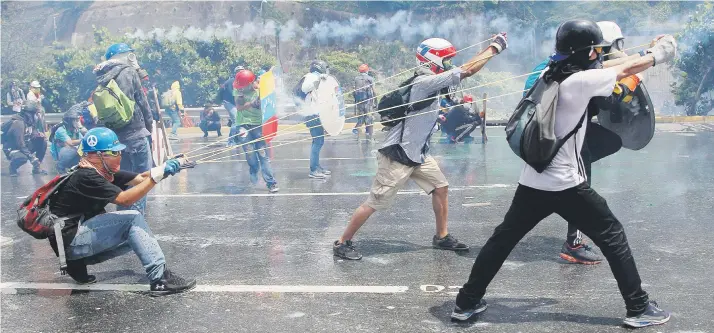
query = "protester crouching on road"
x=91 y=235
x=65 y=138
x=22 y=141
x=210 y=121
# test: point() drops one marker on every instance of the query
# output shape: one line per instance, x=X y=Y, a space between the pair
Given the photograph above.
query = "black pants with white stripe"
x=599 y=143
x=582 y=207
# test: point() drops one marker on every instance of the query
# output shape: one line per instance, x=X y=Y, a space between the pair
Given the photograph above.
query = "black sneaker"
x=77 y=270
x=653 y=315
x=581 y=254
x=273 y=188
x=171 y=283
x=448 y=243
x=346 y=250
x=463 y=315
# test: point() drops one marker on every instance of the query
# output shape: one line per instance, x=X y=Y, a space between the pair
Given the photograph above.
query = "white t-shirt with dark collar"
x=567 y=169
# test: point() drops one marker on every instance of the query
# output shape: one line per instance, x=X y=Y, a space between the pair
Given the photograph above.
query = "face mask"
x=597 y=63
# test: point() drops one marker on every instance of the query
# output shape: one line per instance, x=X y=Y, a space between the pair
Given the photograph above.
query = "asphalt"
x=264 y=262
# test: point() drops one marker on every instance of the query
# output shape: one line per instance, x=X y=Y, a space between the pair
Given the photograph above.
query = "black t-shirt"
x=86 y=192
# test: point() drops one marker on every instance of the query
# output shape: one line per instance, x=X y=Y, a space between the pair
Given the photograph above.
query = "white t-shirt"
x=308 y=86
x=567 y=169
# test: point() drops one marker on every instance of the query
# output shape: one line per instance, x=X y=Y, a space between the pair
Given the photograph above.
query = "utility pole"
x=54 y=23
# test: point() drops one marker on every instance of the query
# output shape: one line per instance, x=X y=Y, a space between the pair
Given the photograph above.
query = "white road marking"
x=12 y=287
x=476 y=204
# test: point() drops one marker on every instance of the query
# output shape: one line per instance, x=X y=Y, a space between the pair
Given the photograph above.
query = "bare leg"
x=359 y=217
x=440 y=202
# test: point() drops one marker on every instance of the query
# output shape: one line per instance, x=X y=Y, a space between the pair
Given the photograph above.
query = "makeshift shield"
x=633 y=122
x=330 y=103
x=268 y=105
x=160 y=147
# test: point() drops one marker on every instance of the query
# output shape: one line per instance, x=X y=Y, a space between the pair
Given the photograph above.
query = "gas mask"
x=133 y=62
x=128 y=58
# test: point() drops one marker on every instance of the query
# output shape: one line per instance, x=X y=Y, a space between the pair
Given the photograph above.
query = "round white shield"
x=330 y=104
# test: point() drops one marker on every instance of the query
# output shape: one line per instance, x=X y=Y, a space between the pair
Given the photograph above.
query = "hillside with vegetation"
x=199 y=43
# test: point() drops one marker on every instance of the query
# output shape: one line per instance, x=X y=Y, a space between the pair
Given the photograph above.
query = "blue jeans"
x=232 y=111
x=136 y=158
x=110 y=235
x=257 y=160
x=175 y=120
x=67 y=157
x=318 y=140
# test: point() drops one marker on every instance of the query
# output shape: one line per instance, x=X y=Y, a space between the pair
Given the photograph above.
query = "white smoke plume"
x=403 y=26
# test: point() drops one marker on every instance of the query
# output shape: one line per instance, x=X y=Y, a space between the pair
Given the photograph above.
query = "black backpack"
x=394 y=106
x=530 y=131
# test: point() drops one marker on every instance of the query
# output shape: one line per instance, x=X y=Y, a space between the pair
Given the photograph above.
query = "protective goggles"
x=619 y=44
x=111 y=153
x=448 y=65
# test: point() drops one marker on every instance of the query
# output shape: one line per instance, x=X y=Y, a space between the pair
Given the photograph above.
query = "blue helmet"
x=117 y=49
x=101 y=139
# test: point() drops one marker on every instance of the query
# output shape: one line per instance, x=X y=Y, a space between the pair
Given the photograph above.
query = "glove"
x=664 y=51
x=500 y=42
x=170 y=168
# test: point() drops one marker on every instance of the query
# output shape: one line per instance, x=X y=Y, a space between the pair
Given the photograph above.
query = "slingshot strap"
x=60 y=246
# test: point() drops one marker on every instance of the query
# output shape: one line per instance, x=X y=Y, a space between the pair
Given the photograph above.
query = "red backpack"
x=34 y=216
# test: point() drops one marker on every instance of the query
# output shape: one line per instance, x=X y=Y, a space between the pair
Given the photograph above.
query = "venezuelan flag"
x=268 y=105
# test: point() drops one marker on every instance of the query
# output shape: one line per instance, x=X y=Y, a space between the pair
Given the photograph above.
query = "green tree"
x=696 y=61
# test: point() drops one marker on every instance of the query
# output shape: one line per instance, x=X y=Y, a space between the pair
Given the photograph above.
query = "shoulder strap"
x=577 y=127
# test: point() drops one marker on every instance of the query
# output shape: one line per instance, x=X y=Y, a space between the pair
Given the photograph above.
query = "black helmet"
x=578 y=35
x=70 y=116
x=319 y=66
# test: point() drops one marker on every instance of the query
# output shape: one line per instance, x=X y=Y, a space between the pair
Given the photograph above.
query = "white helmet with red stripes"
x=436 y=54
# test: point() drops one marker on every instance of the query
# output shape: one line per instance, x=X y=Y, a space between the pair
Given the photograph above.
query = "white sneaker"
x=317 y=175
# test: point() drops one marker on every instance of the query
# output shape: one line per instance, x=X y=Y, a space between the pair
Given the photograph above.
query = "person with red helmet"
x=363 y=94
x=249 y=123
x=405 y=153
